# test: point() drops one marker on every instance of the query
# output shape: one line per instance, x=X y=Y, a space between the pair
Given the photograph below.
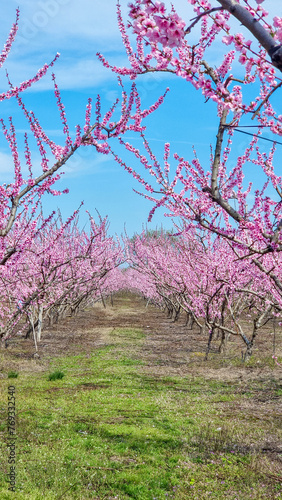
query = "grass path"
x=138 y=414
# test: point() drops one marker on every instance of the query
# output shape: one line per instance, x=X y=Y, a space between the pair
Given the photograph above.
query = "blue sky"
x=78 y=30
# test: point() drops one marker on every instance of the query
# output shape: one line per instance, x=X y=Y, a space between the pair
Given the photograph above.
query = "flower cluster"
x=277 y=23
x=10 y=40
x=151 y=21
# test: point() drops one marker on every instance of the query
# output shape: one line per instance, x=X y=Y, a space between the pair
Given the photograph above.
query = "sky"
x=78 y=30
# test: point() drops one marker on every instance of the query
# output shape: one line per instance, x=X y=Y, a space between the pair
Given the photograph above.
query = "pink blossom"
x=227 y=39
x=277 y=22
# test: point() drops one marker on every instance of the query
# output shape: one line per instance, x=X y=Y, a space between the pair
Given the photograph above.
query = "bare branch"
x=197 y=19
x=215 y=194
x=265 y=100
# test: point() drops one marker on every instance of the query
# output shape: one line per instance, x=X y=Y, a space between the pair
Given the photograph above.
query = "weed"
x=57 y=375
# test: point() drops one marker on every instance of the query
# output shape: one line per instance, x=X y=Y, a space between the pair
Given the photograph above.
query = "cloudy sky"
x=77 y=30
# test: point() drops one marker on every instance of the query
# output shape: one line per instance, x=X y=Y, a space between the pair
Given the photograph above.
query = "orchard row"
x=223 y=267
x=61 y=269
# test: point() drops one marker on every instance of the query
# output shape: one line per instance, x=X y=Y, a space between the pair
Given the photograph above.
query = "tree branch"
x=214 y=192
x=38 y=180
x=196 y=19
x=273 y=49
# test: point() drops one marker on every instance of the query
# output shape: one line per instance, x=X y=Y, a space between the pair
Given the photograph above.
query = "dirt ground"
x=169 y=348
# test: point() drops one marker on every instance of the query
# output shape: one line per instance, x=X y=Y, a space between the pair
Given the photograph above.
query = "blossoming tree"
x=60 y=269
x=216 y=200
x=163 y=45
x=201 y=277
x=32 y=276
x=204 y=198
x=96 y=132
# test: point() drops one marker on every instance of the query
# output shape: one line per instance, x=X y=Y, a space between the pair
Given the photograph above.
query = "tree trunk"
x=39 y=323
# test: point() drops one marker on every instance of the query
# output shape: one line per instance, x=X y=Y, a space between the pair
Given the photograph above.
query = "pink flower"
x=243 y=58
x=149 y=23
x=227 y=39
x=277 y=22
x=279 y=34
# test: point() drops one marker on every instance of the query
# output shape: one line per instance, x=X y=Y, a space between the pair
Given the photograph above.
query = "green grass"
x=57 y=375
x=127 y=334
x=109 y=430
x=13 y=374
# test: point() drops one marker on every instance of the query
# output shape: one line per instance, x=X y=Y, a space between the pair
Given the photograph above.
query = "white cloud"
x=64 y=23
x=6 y=165
x=87 y=162
x=71 y=73
x=84 y=162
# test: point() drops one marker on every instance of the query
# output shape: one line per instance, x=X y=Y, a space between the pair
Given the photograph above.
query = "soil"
x=168 y=349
